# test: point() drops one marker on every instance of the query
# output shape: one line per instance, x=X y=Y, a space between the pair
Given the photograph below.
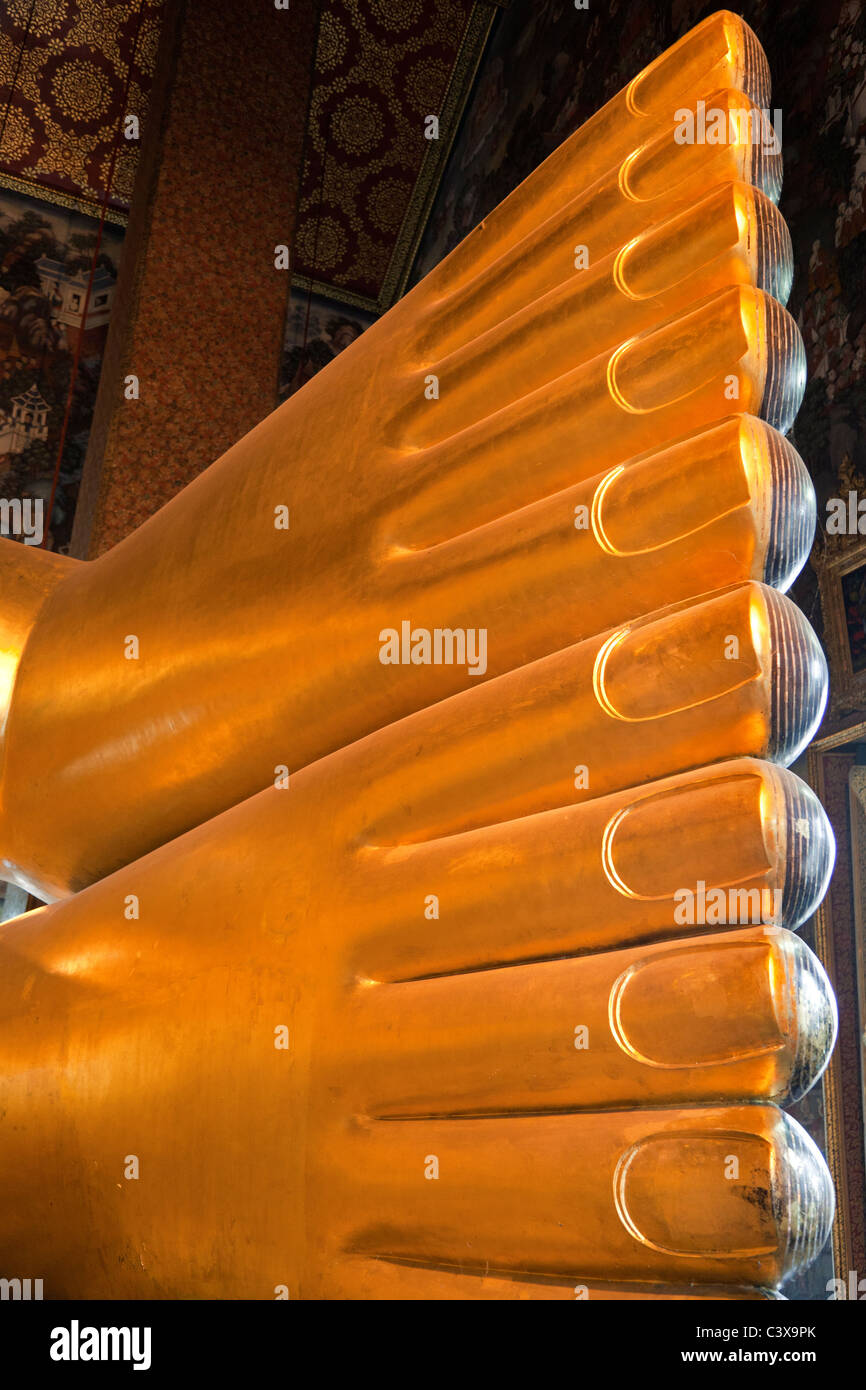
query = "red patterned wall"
x=70 y=70
x=201 y=320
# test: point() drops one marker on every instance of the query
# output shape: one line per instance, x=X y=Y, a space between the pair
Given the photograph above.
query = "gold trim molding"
x=843 y=1260
x=436 y=158
x=44 y=193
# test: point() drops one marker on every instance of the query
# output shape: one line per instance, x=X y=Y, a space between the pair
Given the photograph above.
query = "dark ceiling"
x=70 y=69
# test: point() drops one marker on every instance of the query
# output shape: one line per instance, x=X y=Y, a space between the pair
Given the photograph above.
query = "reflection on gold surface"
x=399 y=979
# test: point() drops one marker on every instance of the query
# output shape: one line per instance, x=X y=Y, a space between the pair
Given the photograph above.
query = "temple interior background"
x=149 y=249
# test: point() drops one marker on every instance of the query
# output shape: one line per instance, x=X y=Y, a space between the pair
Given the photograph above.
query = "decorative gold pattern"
x=80 y=90
x=62 y=200
x=18 y=134
x=418 y=210
x=69 y=73
x=46 y=16
x=382 y=67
